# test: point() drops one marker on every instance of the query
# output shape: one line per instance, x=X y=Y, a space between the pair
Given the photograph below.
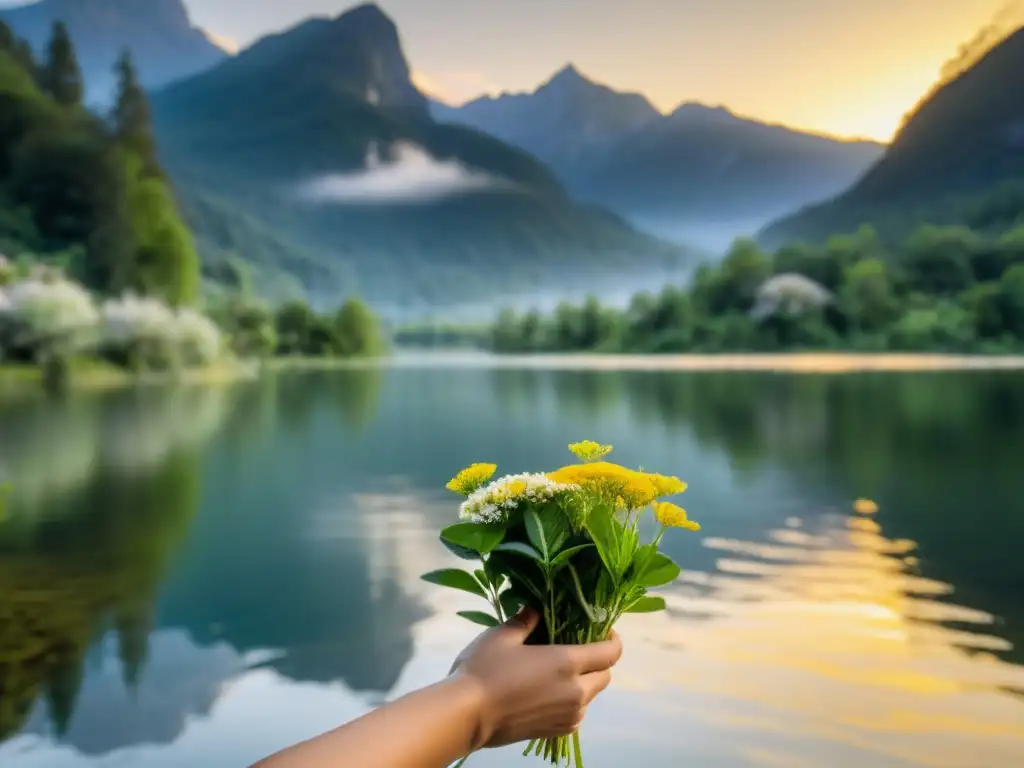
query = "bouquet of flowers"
x=567 y=544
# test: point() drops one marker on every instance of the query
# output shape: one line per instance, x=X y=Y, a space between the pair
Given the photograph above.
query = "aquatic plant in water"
x=566 y=543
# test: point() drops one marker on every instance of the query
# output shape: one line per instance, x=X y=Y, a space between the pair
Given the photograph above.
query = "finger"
x=596 y=656
x=593 y=683
x=520 y=626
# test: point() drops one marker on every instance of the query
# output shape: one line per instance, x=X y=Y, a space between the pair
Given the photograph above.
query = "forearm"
x=430 y=728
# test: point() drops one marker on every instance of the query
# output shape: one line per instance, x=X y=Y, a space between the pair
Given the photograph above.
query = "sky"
x=847 y=67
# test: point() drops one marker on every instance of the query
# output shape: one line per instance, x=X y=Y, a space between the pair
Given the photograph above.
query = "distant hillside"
x=159 y=33
x=962 y=142
x=311 y=153
x=700 y=165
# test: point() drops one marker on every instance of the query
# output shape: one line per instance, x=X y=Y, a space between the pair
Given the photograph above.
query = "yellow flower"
x=865 y=507
x=588 y=450
x=672 y=516
x=666 y=485
x=629 y=488
x=471 y=478
x=517 y=487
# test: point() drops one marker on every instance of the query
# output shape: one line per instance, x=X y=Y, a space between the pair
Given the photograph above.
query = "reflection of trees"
x=354 y=393
x=53 y=447
x=100 y=560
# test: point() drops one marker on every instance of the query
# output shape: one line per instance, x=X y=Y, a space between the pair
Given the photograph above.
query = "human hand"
x=532 y=691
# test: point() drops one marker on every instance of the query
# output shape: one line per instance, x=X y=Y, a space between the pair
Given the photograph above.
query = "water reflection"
x=212 y=574
x=827 y=631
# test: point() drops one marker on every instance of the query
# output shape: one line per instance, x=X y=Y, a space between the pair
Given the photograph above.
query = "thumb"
x=520 y=626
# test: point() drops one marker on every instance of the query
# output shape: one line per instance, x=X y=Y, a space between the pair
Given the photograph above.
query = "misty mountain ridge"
x=962 y=141
x=697 y=166
x=311 y=153
x=160 y=34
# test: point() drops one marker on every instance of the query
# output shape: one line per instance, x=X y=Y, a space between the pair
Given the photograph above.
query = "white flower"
x=198 y=337
x=131 y=319
x=49 y=310
x=495 y=500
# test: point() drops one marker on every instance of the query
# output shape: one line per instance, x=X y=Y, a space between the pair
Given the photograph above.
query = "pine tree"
x=60 y=75
x=131 y=117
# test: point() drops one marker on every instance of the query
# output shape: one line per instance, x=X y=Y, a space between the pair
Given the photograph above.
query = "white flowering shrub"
x=54 y=315
x=145 y=332
x=197 y=337
x=789 y=294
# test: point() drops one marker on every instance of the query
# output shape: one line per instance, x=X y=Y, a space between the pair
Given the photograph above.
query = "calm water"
x=200 y=577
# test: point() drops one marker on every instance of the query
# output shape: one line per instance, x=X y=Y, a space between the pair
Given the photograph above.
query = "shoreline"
x=91 y=378
x=783 y=362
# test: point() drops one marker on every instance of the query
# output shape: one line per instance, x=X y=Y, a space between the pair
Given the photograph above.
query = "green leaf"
x=510 y=603
x=462 y=552
x=601 y=527
x=563 y=557
x=519 y=548
x=660 y=570
x=479 y=617
x=584 y=603
x=535 y=530
x=479 y=537
x=456 y=579
x=647 y=604
x=481 y=576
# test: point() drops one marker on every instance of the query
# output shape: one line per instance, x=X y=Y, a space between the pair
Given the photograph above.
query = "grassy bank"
x=87 y=374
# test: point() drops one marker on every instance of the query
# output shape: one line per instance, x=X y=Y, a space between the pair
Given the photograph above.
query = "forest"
x=95 y=259
x=948 y=288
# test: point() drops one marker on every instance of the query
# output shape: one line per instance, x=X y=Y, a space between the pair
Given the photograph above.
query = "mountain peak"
x=367 y=19
x=567 y=77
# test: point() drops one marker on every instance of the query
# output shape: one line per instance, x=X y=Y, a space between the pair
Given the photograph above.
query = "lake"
x=198 y=577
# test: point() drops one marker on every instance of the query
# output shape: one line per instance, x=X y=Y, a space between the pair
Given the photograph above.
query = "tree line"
x=944 y=288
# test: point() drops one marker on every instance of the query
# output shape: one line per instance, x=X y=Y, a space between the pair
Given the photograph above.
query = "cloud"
x=411 y=175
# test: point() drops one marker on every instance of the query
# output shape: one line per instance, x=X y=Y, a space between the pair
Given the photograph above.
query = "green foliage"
x=356 y=330
x=60 y=75
x=131 y=118
x=948 y=288
x=69 y=183
x=351 y=331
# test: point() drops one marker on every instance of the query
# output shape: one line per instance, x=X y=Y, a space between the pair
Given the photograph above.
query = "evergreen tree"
x=60 y=75
x=131 y=116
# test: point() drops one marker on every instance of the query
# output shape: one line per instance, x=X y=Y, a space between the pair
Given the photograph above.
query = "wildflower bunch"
x=566 y=543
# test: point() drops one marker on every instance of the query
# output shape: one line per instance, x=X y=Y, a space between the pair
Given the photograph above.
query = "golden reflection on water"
x=830 y=635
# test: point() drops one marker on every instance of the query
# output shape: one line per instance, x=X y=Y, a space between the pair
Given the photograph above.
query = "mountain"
x=696 y=167
x=963 y=141
x=563 y=123
x=159 y=33
x=311 y=153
